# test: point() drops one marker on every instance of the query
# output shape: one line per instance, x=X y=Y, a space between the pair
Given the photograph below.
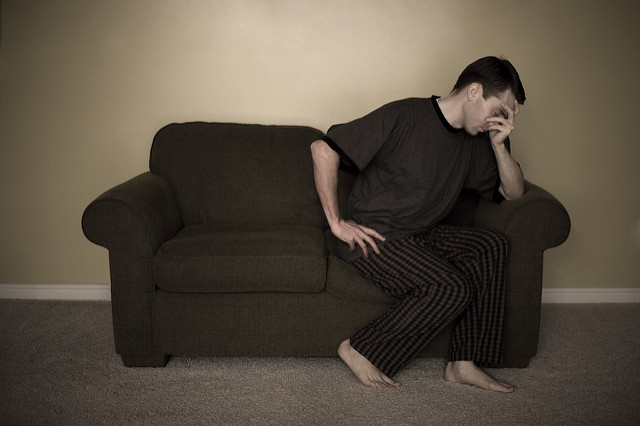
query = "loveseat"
x=222 y=249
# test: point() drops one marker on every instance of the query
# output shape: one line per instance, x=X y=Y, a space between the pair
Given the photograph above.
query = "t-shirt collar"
x=443 y=120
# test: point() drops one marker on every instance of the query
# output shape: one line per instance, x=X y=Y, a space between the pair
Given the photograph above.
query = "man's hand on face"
x=500 y=127
x=353 y=233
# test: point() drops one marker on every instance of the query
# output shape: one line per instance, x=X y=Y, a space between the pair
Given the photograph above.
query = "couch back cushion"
x=232 y=174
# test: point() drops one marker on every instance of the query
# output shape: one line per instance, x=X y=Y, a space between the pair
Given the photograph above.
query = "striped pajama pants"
x=446 y=274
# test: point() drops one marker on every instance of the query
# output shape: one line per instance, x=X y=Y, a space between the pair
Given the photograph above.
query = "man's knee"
x=498 y=243
x=455 y=290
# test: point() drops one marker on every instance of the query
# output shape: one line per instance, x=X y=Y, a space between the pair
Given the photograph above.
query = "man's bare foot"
x=466 y=372
x=364 y=370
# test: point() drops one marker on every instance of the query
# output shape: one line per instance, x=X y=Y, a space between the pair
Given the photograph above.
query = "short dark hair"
x=495 y=75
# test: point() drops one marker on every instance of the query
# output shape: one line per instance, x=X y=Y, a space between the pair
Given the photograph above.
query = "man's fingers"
x=374 y=233
x=355 y=234
x=500 y=124
x=363 y=246
x=367 y=235
x=372 y=243
x=365 y=239
x=511 y=111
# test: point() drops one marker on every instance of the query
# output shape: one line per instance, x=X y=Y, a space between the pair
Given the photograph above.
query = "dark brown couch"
x=222 y=249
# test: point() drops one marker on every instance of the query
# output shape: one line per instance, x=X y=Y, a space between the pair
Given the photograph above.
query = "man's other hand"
x=353 y=233
x=500 y=127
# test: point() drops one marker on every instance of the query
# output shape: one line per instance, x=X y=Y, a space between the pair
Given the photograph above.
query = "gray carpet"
x=58 y=366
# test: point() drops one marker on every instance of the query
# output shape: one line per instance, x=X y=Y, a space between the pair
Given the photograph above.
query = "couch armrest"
x=537 y=218
x=132 y=220
x=139 y=214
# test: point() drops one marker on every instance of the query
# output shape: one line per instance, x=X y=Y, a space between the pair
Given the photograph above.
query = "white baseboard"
x=103 y=292
x=56 y=291
x=591 y=295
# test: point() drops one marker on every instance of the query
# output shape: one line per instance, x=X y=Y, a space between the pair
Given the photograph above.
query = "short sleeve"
x=361 y=140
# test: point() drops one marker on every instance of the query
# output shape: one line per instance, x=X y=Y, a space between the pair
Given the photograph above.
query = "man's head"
x=488 y=87
x=495 y=75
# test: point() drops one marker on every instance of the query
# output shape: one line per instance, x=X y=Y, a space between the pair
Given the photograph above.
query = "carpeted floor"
x=58 y=366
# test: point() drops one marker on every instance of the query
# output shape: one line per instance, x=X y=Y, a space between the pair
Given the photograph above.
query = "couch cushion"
x=208 y=258
x=234 y=174
x=345 y=282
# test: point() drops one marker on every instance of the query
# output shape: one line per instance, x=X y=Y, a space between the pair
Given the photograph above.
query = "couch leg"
x=515 y=362
x=152 y=360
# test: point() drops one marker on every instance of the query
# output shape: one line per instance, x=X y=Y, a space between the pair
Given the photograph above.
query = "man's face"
x=479 y=109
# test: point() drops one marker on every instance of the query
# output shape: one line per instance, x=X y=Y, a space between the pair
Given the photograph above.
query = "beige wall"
x=84 y=85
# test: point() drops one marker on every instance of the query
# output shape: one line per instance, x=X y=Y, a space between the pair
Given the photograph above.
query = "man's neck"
x=451 y=107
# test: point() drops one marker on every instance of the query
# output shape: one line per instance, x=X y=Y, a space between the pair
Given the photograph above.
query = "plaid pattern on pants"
x=448 y=273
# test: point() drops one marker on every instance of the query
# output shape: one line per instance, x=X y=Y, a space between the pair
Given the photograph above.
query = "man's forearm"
x=511 y=177
x=326 y=163
x=325 y=171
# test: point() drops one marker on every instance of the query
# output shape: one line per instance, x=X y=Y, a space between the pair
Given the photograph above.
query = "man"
x=414 y=157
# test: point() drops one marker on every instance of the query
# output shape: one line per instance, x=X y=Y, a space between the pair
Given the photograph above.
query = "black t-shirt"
x=413 y=165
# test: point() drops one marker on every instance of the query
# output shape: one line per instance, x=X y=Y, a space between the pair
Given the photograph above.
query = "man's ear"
x=474 y=90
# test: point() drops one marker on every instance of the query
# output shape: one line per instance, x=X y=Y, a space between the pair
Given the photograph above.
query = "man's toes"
x=391 y=382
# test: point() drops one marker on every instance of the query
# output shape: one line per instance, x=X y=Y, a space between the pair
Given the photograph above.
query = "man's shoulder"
x=409 y=108
x=410 y=102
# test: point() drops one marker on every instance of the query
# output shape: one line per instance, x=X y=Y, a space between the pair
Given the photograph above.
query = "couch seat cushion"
x=214 y=259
